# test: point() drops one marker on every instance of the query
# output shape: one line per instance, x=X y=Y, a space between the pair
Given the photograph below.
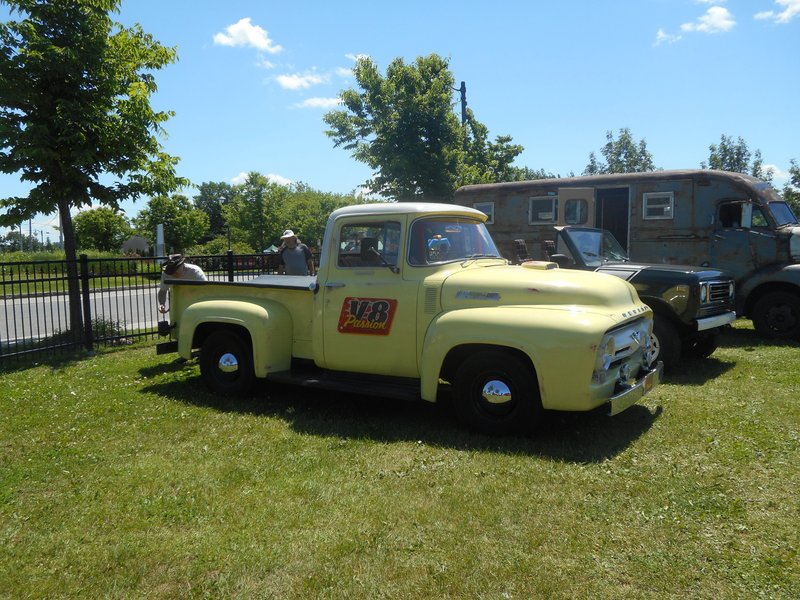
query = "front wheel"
x=701 y=346
x=665 y=343
x=497 y=393
x=777 y=315
x=226 y=364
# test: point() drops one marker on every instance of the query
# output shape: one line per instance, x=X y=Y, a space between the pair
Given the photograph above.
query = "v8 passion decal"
x=367 y=315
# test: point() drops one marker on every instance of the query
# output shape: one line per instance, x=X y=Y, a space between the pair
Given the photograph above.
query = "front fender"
x=560 y=342
x=789 y=275
x=268 y=323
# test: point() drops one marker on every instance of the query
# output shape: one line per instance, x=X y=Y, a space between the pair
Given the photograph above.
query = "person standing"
x=296 y=258
x=176 y=267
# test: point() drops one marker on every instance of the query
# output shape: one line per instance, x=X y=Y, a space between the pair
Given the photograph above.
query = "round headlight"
x=731 y=289
x=703 y=292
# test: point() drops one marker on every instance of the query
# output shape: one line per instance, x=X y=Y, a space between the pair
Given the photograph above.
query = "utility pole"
x=463 y=90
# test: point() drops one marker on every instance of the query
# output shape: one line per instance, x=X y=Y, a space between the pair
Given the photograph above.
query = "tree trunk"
x=73 y=281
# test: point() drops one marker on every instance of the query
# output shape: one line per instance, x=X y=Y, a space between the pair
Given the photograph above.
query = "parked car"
x=691 y=305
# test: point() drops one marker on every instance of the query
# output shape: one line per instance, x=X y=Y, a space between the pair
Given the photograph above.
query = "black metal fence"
x=117 y=300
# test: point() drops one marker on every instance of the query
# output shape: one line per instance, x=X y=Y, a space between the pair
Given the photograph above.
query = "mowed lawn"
x=121 y=477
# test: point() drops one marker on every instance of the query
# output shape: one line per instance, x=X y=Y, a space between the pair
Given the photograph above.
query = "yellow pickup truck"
x=414 y=299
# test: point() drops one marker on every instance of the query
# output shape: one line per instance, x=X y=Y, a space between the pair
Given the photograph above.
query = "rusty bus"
x=711 y=218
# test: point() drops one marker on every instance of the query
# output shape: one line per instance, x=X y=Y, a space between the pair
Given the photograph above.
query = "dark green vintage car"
x=691 y=304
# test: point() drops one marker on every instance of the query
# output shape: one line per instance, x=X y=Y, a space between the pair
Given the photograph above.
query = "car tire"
x=777 y=315
x=226 y=364
x=497 y=393
x=701 y=346
x=666 y=343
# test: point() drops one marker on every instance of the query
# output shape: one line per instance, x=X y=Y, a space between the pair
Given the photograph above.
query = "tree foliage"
x=75 y=116
x=402 y=126
x=485 y=161
x=103 y=228
x=261 y=210
x=791 y=190
x=734 y=156
x=622 y=155
x=184 y=225
x=211 y=197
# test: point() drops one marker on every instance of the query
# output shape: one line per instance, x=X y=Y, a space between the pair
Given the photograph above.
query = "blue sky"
x=254 y=79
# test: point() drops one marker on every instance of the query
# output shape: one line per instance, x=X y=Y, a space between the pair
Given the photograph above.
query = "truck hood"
x=519 y=285
x=702 y=273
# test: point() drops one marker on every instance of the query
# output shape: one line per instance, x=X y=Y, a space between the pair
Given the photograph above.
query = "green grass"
x=121 y=477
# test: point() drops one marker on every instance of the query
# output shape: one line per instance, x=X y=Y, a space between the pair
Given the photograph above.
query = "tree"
x=485 y=161
x=623 y=155
x=251 y=213
x=75 y=115
x=791 y=190
x=211 y=197
x=184 y=225
x=402 y=126
x=735 y=157
x=101 y=228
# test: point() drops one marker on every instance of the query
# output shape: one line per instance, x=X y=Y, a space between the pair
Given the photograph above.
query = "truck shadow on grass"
x=570 y=437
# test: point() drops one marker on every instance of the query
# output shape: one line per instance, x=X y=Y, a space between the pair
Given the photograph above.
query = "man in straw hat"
x=176 y=267
x=296 y=258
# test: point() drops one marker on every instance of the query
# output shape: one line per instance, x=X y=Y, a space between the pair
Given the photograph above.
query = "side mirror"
x=562 y=260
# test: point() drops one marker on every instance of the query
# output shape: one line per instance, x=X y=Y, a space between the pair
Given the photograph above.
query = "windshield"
x=446 y=239
x=782 y=213
x=597 y=246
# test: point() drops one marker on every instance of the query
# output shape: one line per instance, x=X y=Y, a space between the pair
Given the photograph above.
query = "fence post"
x=230 y=265
x=87 y=305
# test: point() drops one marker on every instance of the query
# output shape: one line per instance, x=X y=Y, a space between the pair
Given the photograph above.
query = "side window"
x=486 y=208
x=542 y=209
x=730 y=215
x=759 y=220
x=658 y=205
x=368 y=244
x=576 y=211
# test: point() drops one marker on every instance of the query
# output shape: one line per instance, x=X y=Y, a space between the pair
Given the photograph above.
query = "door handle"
x=334 y=285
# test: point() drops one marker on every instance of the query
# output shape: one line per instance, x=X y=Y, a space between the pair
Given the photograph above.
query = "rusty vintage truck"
x=727 y=221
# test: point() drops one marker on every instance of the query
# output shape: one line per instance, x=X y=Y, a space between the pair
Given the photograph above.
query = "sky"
x=254 y=78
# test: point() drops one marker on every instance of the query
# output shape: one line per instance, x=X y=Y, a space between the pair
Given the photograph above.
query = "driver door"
x=369 y=310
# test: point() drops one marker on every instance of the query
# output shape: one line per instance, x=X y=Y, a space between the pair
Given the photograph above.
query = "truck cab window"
x=365 y=244
x=730 y=215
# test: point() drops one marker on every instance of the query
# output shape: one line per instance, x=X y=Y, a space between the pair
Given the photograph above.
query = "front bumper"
x=631 y=395
x=716 y=321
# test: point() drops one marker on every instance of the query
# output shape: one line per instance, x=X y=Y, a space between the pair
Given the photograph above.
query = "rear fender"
x=268 y=323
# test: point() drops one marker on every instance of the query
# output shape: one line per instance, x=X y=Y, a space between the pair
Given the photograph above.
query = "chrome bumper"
x=629 y=396
x=716 y=321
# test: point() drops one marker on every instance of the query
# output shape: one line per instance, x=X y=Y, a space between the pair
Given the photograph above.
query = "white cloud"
x=319 y=103
x=791 y=10
x=344 y=72
x=356 y=57
x=244 y=33
x=299 y=82
x=279 y=179
x=716 y=20
x=662 y=37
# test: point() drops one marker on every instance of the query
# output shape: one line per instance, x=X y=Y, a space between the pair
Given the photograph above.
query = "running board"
x=390 y=387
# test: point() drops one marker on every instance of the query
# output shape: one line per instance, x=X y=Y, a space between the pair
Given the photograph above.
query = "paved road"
x=34 y=318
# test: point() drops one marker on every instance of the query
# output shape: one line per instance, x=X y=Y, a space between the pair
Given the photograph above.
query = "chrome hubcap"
x=496 y=392
x=228 y=363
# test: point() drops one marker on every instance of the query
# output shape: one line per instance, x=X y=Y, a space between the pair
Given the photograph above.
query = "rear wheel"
x=497 y=393
x=777 y=315
x=226 y=363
